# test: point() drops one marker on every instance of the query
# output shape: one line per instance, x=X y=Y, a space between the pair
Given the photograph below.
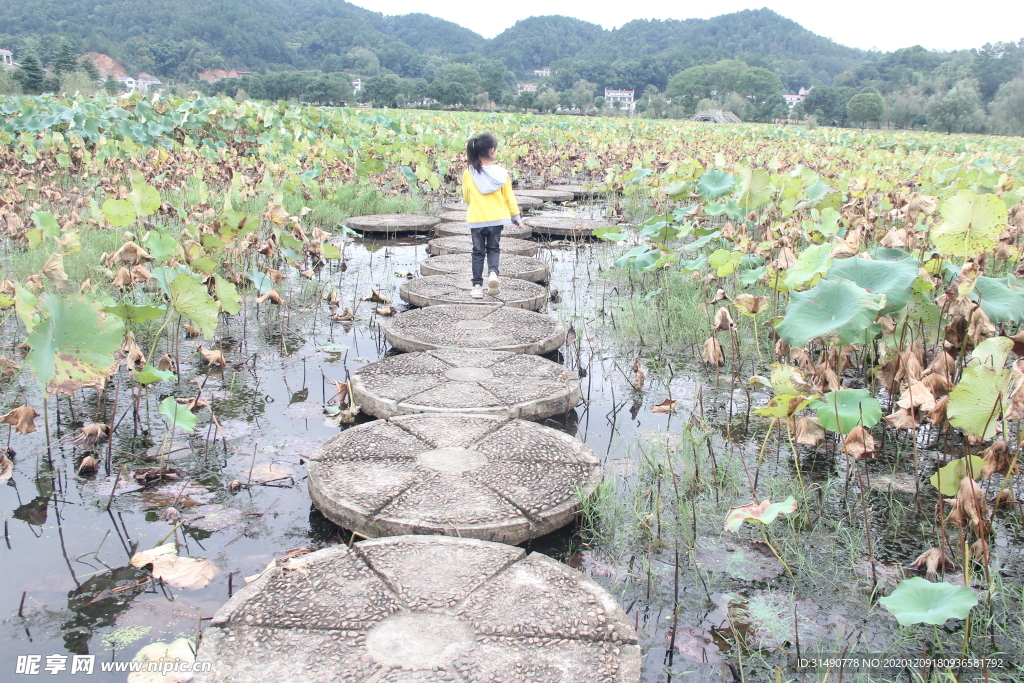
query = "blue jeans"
x=485 y=241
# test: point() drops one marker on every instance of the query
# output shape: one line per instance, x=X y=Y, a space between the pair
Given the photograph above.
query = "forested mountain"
x=179 y=38
x=308 y=49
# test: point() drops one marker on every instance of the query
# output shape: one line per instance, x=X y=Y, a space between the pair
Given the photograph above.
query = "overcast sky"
x=867 y=24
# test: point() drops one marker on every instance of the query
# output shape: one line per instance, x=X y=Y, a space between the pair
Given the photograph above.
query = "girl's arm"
x=466 y=180
x=510 y=201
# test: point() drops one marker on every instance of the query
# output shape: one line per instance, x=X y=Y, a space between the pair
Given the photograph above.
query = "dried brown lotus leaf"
x=213 y=356
x=937 y=415
x=90 y=434
x=751 y=305
x=639 y=374
x=902 y=419
x=53 y=269
x=129 y=254
x=270 y=295
x=969 y=506
x=932 y=561
x=723 y=320
x=917 y=396
x=808 y=431
x=713 y=353
x=997 y=459
x=859 y=444
x=937 y=384
x=123 y=280
x=22 y=418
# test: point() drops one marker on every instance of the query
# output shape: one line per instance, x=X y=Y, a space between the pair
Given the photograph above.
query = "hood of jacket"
x=489 y=179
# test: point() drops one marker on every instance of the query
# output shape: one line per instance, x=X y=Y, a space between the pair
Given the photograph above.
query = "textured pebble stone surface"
x=564 y=226
x=435 y=290
x=421 y=608
x=578 y=191
x=518 y=267
x=459 y=474
x=459 y=244
x=466 y=380
x=392 y=222
x=546 y=195
x=452 y=216
x=462 y=229
x=498 y=328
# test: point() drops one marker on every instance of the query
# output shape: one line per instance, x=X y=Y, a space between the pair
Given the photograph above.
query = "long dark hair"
x=478 y=147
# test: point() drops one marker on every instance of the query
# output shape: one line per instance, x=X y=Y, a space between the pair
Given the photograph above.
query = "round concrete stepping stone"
x=466 y=381
x=518 y=267
x=392 y=222
x=455 y=229
x=525 y=204
x=528 y=203
x=564 y=226
x=423 y=608
x=456 y=474
x=578 y=191
x=547 y=195
x=435 y=290
x=441 y=246
x=452 y=216
x=498 y=328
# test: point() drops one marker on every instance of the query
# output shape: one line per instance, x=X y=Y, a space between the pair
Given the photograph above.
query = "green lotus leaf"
x=812 y=265
x=1002 y=299
x=837 y=310
x=189 y=298
x=119 y=213
x=948 y=477
x=136 y=314
x=895 y=279
x=178 y=415
x=918 y=601
x=150 y=375
x=145 y=200
x=764 y=512
x=971 y=226
x=784 y=406
x=755 y=187
x=263 y=284
x=852 y=406
x=976 y=402
x=993 y=351
x=73 y=344
x=228 y=296
x=715 y=184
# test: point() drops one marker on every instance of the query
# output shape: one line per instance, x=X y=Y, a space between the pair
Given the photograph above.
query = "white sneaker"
x=478 y=292
x=493 y=288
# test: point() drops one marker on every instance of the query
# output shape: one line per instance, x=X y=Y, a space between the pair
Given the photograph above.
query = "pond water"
x=70 y=590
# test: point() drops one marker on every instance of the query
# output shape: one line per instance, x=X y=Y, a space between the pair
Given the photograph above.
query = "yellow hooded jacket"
x=489 y=196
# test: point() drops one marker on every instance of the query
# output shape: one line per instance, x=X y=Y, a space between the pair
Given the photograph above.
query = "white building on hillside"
x=623 y=97
x=145 y=83
x=525 y=87
x=6 y=59
x=357 y=84
x=543 y=72
x=793 y=100
x=128 y=82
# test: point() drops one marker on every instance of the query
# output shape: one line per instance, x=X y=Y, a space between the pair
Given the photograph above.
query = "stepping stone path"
x=457 y=474
x=451 y=456
x=547 y=195
x=468 y=381
x=452 y=216
x=459 y=229
x=421 y=608
x=527 y=202
x=498 y=328
x=564 y=226
x=392 y=223
x=441 y=246
x=578 y=191
x=461 y=265
x=436 y=290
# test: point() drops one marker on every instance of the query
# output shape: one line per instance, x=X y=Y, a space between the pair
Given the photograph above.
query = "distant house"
x=525 y=87
x=7 y=59
x=623 y=97
x=793 y=100
x=128 y=82
x=543 y=73
x=144 y=83
x=357 y=84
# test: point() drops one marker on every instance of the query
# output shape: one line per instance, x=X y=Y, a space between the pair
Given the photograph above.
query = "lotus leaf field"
x=829 y=319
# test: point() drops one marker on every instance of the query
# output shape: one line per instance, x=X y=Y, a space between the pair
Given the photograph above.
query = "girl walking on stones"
x=487 y=189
